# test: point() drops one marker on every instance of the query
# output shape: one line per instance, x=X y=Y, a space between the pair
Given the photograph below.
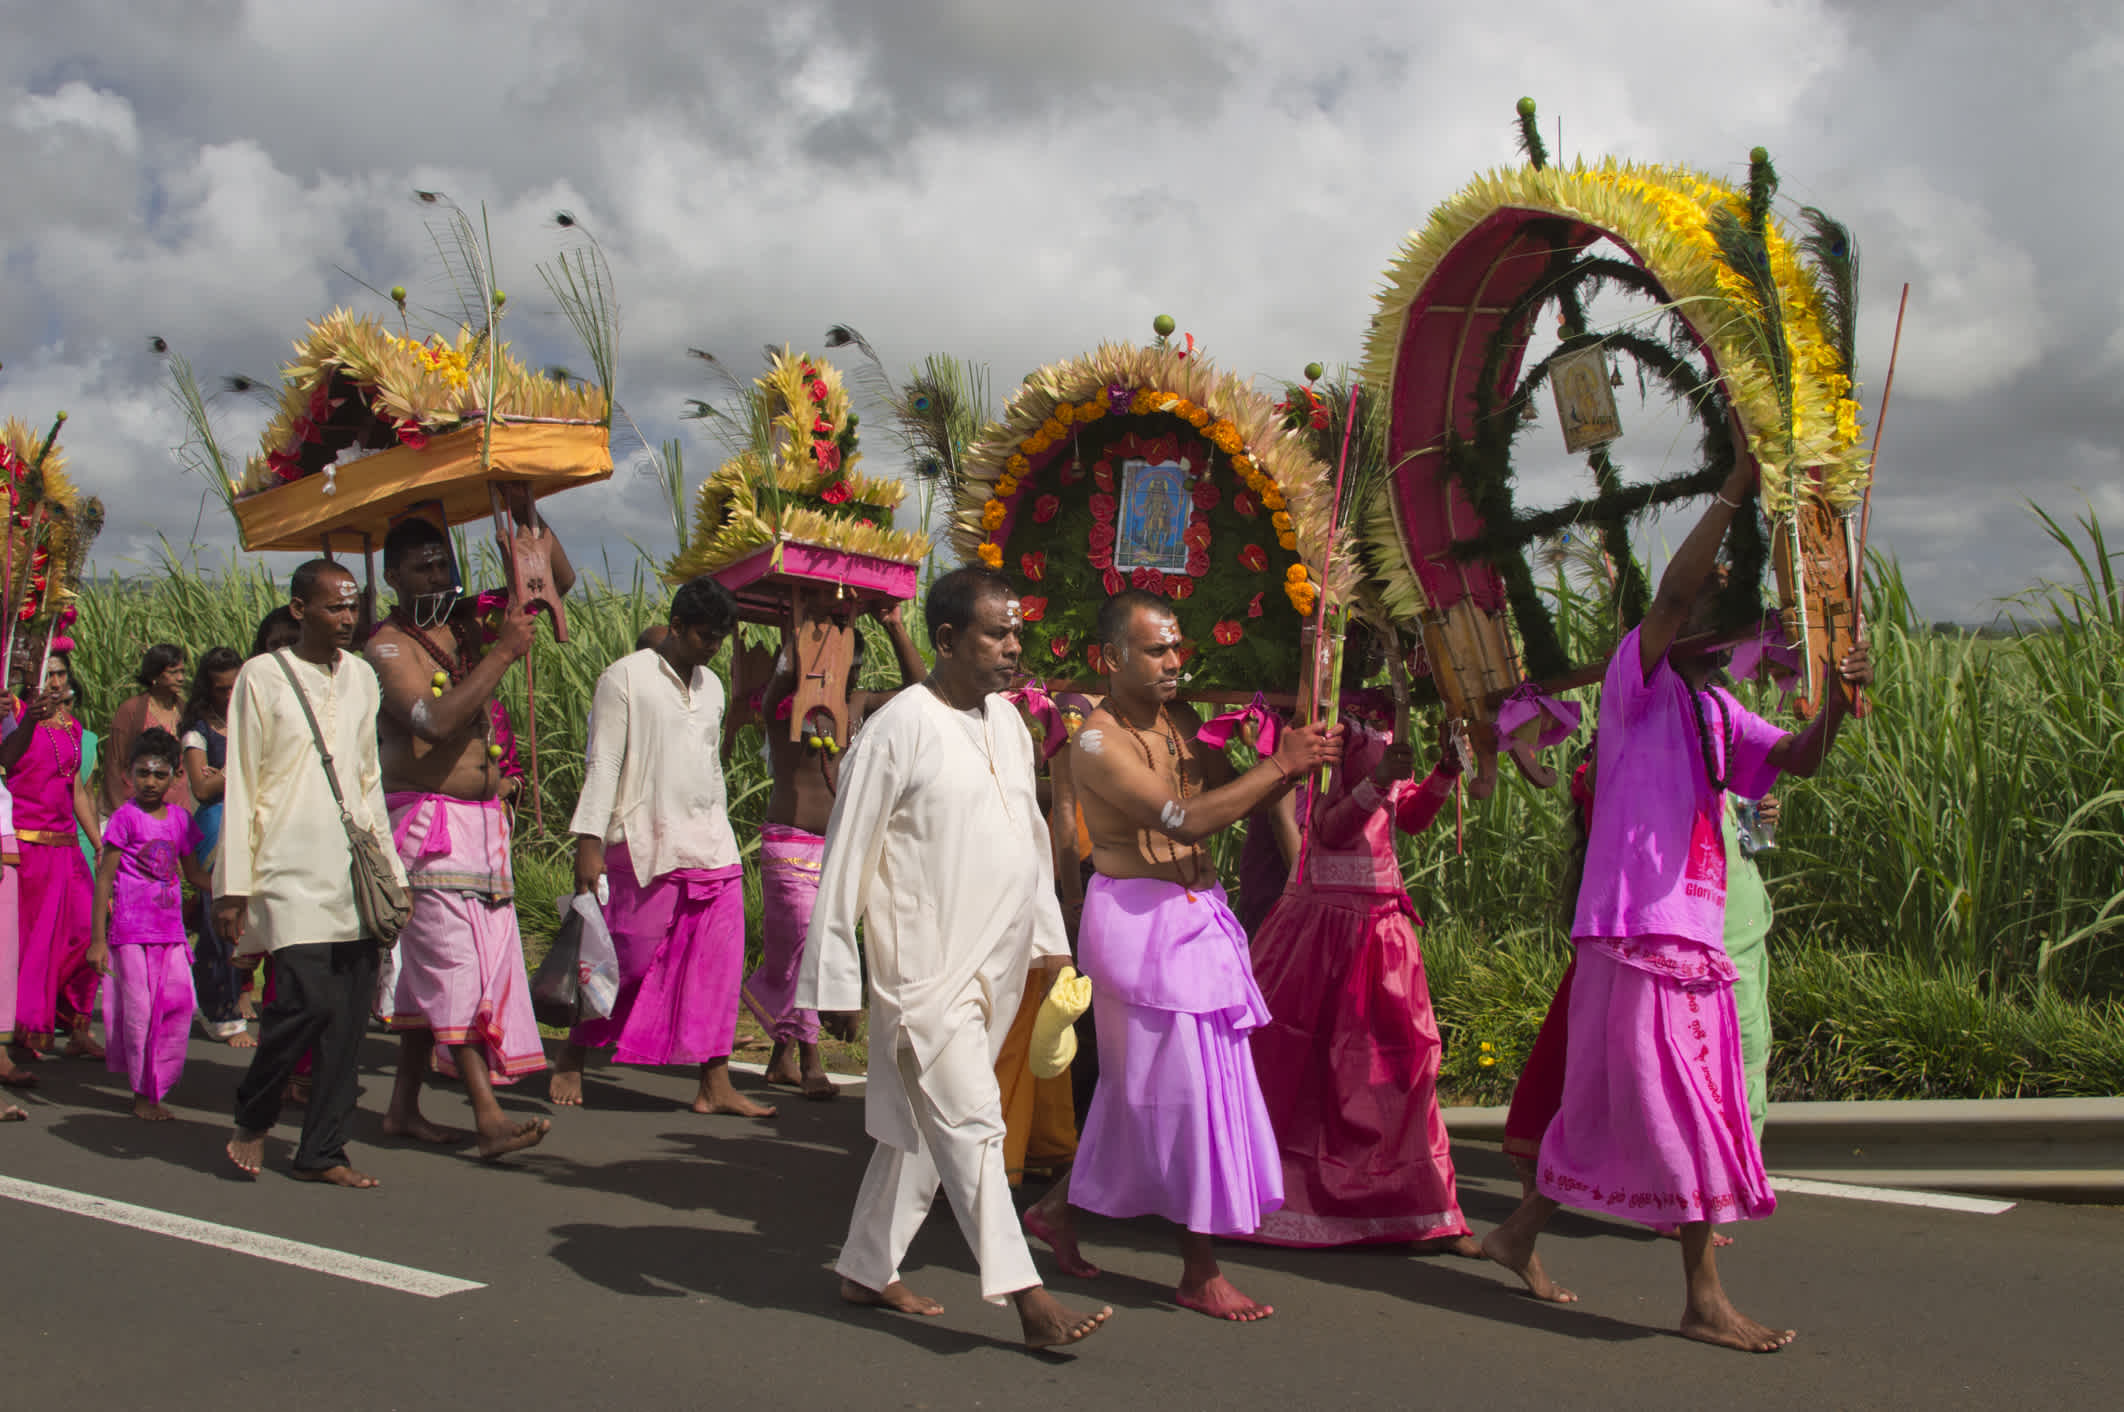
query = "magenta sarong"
x=1177 y=1126
x=460 y=958
x=1654 y=1121
x=10 y=937
x=1349 y=1071
x=57 y=985
x=147 y=1014
x=789 y=885
x=681 y=945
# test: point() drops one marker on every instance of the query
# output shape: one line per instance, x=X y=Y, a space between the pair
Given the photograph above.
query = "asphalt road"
x=645 y=1257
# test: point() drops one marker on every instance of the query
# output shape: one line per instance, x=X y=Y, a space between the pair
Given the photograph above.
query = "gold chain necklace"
x=1192 y=873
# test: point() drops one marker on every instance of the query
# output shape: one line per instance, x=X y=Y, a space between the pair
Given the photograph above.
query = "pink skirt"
x=1349 y=1072
x=1177 y=1127
x=56 y=983
x=10 y=940
x=789 y=885
x=147 y=1014
x=1654 y=1120
x=461 y=959
x=681 y=945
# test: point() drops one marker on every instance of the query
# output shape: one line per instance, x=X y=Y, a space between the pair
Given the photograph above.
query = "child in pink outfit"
x=139 y=943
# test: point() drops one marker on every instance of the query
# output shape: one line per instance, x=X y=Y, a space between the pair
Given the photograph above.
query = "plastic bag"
x=596 y=961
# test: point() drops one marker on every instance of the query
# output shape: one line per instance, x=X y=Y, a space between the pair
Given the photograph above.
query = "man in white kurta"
x=284 y=879
x=937 y=845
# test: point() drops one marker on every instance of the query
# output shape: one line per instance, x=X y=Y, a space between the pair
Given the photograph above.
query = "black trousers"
x=322 y=993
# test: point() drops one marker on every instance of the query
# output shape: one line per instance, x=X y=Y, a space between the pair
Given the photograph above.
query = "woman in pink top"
x=1349 y=1063
x=42 y=758
x=1653 y=1124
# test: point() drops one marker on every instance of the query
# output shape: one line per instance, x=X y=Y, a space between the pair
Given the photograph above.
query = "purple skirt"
x=681 y=945
x=1177 y=1126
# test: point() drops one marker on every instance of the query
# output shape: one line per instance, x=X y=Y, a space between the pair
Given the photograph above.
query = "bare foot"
x=1049 y=1323
x=9 y=1113
x=782 y=1068
x=247 y=1150
x=895 y=1296
x=513 y=1137
x=150 y=1110
x=1727 y=1327
x=1509 y=1248
x=246 y=1007
x=421 y=1130
x=242 y=1040
x=1219 y=1298
x=1060 y=1237
x=564 y=1088
x=14 y=1076
x=818 y=1088
x=731 y=1104
x=1465 y=1246
x=342 y=1175
x=82 y=1046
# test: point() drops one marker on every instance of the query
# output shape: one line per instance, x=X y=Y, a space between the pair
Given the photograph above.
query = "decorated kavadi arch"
x=1145 y=466
x=1753 y=331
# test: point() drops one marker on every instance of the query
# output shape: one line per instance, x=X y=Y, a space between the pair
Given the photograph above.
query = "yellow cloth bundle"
x=1054 y=1036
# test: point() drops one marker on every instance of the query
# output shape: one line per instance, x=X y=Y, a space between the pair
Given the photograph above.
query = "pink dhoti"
x=681 y=948
x=461 y=967
x=56 y=985
x=1654 y=1123
x=147 y=1014
x=10 y=937
x=1349 y=1071
x=1177 y=1126
x=789 y=884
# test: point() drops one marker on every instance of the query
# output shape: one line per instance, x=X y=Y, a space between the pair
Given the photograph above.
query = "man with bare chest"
x=1177 y=1126
x=461 y=979
x=792 y=843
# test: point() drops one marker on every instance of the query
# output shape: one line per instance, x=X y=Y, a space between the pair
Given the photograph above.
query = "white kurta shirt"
x=937 y=845
x=652 y=777
x=282 y=845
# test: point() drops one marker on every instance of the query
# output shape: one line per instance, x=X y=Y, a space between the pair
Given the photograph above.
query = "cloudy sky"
x=1013 y=182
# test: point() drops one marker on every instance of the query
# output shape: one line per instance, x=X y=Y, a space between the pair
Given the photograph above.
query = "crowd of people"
x=1268 y=1074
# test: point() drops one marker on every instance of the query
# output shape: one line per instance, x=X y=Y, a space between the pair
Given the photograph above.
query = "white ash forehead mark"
x=1091 y=740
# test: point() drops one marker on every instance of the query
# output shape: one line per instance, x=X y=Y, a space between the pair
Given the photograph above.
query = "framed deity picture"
x=1585 y=403
x=1153 y=518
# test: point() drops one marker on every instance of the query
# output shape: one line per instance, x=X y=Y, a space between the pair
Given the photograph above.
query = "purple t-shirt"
x=147 y=900
x=1656 y=853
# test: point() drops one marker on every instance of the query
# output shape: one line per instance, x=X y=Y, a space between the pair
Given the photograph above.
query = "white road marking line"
x=302 y=1256
x=1893 y=1196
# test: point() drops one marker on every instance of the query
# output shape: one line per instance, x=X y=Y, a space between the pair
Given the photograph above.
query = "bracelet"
x=1729 y=504
x=1279 y=768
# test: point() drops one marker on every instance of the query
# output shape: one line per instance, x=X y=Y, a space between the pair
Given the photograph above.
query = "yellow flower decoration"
x=1282 y=520
x=1053 y=430
x=1486 y=1061
x=1296 y=573
x=1006 y=487
x=992 y=554
x=1064 y=414
x=1288 y=541
x=1090 y=412
x=992 y=515
x=1145 y=400
x=1017 y=465
x=1243 y=466
x=1225 y=437
x=1272 y=497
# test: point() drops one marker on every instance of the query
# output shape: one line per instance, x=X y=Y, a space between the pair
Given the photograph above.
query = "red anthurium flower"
x=835 y=494
x=1100 y=559
x=818 y=390
x=1227 y=633
x=1207 y=495
x=1178 y=587
x=1196 y=535
x=1103 y=476
x=410 y=434
x=1253 y=558
x=1033 y=566
x=1112 y=581
x=1096 y=658
x=827 y=454
x=1187 y=651
x=1101 y=536
x=1198 y=563
x=1045 y=509
x=1032 y=608
x=1102 y=508
x=1058 y=645
x=1253 y=608
x=1149 y=580
x=1244 y=504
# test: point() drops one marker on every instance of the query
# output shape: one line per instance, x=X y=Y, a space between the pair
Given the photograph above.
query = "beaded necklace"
x=1192 y=874
x=1703 y=738
x=457 y=666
